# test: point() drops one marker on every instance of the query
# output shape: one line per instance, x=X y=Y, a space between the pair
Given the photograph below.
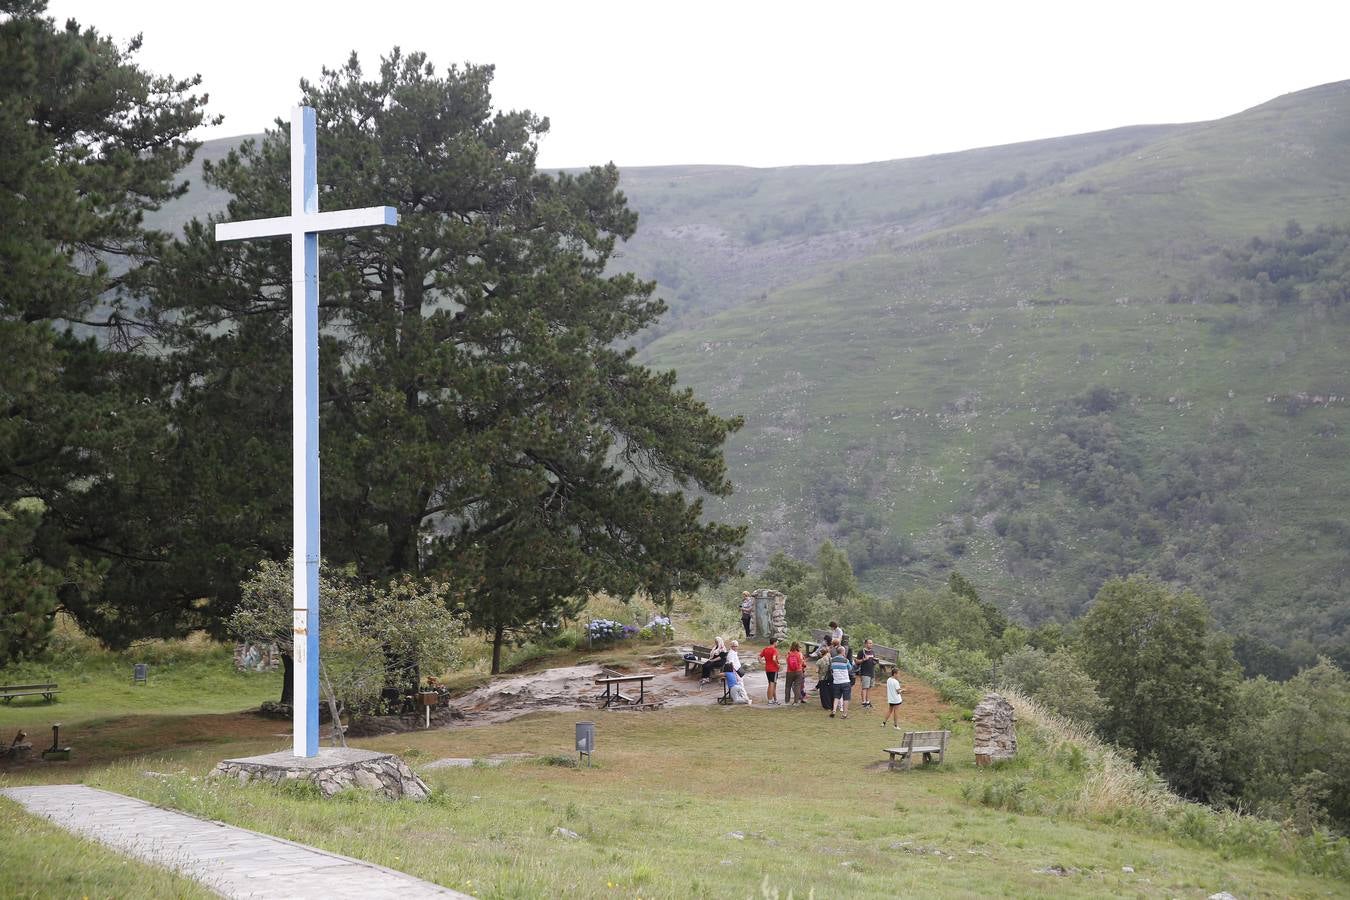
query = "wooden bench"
x=614 y=682
x=821 y=636
x=889 y=655
x=9 y=691
x=924 y=742
x=701 y=655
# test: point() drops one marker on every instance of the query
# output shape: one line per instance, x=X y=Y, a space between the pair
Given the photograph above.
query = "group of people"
x=837 y=670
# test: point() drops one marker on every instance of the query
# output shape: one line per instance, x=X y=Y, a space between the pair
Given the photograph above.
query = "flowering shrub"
x=609 y=630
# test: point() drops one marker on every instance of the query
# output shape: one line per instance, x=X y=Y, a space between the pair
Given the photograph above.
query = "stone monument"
x=770 y=616
x=336 y=769
x=995 y=734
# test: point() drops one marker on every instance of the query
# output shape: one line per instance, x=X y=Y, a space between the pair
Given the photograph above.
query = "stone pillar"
x=995 y=734
x=770 y=614
x=778 y=619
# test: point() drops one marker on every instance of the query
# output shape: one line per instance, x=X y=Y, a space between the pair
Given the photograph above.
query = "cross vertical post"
x=303 y=226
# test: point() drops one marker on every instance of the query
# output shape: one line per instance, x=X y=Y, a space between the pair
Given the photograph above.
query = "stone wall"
x=381 y=773
x=995 y=732
x=770 y=613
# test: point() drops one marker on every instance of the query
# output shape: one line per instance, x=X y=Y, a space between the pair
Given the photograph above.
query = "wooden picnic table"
x=614 y=688
x=46 y=690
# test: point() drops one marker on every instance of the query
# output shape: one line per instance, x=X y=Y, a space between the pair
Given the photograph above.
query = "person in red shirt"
x=796 y=674
x=770 y=656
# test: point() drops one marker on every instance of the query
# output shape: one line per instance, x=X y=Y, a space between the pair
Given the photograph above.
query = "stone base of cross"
x=303 y=226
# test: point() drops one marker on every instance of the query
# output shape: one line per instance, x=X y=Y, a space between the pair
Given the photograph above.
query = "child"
x=770 y=656
x=893 y=699
x=736 y=688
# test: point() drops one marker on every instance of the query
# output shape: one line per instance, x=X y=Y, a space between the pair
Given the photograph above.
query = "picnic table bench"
x=614 y=682
x=925 y=742
x=701 y=655
x=9 y=691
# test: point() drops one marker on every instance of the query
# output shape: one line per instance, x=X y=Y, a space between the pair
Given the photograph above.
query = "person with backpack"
x=796 y=675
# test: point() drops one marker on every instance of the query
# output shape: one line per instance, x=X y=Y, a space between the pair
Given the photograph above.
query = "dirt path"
x=573 y=688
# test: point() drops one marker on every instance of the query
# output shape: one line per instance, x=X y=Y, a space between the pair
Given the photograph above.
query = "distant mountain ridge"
x=916 y=345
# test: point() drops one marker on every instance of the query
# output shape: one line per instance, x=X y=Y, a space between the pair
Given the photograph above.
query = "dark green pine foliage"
x=482 y=415
x=90 y=143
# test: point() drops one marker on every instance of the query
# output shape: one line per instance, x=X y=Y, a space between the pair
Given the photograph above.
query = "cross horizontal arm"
x=238 y=231
x=324 y=221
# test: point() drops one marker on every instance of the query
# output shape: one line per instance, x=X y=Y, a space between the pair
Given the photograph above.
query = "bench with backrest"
x=820 y=636
x=9 y=691
x=920 y=742
x=701 y=655
x=889 y=655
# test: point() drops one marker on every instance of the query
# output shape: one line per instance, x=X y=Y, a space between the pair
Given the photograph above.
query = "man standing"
x=747 y=611
x=867 y=666
x=770 y=656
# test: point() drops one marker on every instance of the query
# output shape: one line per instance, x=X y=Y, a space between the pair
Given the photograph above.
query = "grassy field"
x=703 y=801
x=193 y=697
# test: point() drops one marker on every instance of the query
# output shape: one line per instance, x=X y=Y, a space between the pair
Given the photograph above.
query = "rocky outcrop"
x=333 y=771
x=995 y=734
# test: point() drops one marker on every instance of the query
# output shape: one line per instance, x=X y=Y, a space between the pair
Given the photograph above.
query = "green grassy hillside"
x=876 y=391
x=913 y=344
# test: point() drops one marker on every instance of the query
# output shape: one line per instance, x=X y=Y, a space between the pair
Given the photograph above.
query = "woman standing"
x=796 y=674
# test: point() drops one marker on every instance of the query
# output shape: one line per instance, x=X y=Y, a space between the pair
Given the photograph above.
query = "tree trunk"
x=287 y=679
x=498 y=636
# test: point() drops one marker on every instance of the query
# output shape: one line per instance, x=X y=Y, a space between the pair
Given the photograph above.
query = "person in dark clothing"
x=715 y=661
x=867 y=667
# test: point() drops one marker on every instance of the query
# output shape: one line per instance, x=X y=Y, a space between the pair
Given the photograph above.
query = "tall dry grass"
x=1111 y=784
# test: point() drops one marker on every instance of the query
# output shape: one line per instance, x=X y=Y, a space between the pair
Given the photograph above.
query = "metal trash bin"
x=585 y=741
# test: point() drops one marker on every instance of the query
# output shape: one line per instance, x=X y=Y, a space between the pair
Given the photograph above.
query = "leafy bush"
x=1056 y=681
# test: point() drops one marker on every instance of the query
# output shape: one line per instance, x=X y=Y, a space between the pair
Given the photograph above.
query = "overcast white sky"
x=767 y=83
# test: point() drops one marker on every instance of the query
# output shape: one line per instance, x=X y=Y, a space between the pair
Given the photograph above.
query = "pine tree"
x=91 y=142
x=481 y=414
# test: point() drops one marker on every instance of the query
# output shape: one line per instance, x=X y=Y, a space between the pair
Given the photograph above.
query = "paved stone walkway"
x=233 y=861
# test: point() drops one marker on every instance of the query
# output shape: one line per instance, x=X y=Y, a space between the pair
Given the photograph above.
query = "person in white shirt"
x=733 y=658
x=893 y=699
